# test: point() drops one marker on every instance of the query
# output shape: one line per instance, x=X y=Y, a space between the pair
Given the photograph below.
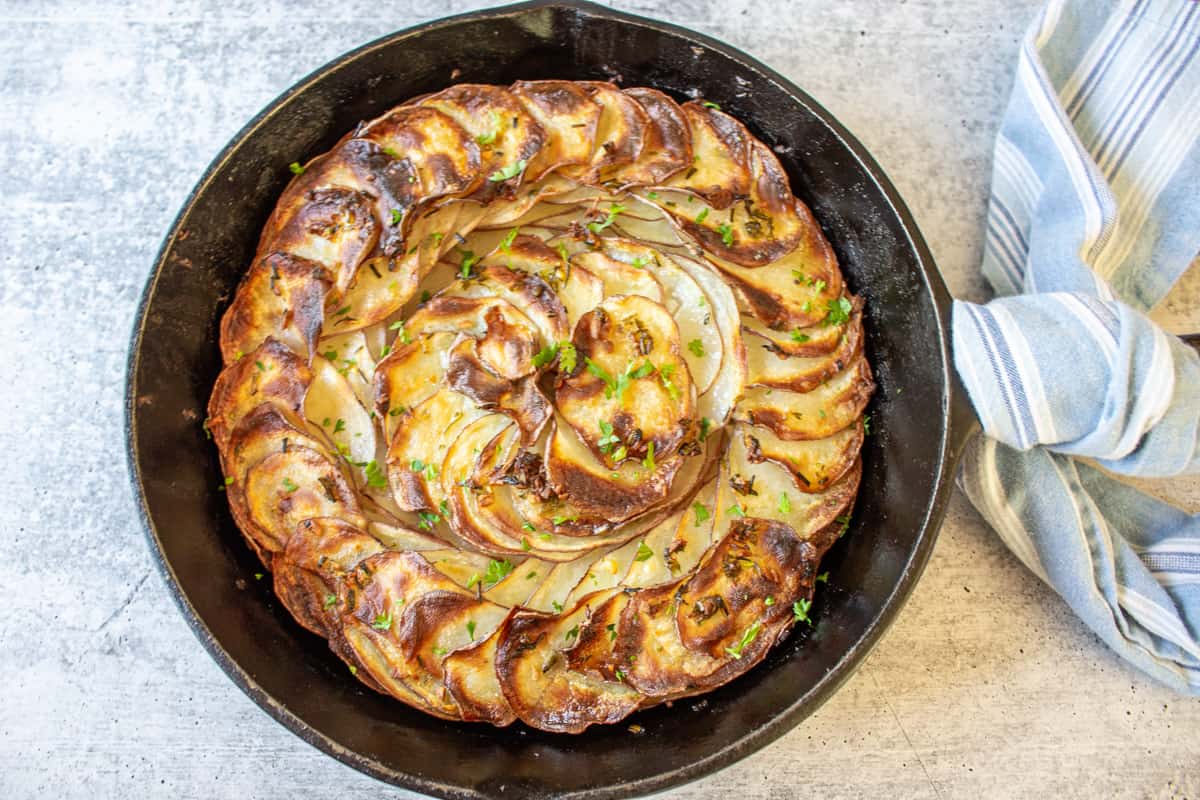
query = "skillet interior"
x=290 y=673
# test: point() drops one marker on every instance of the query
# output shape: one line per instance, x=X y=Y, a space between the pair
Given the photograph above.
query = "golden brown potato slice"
x=419 y=445
x=766 y=490
x=602 y=491
x=529 y=293
x=332 y=407
x=767 y=366
x=281 y=297
x=507 y=136
x=798 y=290
x=286 y=488
x=720 y=169
x=410 y=374
x=332 y=226
x=537 y=682
x=620 y=134
x=620 y=278
x=816 y=463
x=824 y=411
x=520 y=398
x=470 y=676
x=592 y=653
x=568 y=116
x=815 y=340
x=745 y=586
x=310 y=571
x=272 y=373
x=630 y=382
x=667 y=145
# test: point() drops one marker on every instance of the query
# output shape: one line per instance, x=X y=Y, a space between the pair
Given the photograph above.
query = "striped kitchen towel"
x=1094 y=215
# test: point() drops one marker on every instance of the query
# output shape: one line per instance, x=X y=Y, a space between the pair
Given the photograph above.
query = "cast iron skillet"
x=920 y=416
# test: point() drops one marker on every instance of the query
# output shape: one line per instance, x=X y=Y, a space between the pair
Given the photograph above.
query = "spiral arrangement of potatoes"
x=543 y=402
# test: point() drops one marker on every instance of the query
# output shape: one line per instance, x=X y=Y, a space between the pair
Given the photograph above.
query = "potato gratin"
x=543 y=402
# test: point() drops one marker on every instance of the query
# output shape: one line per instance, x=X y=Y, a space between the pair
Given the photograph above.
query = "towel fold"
x=1094 y=215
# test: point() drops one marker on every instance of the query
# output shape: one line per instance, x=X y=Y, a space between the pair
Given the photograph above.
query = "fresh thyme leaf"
x=705 y=424
x=490 y=136
x=469 y=260
x=339 y=426
x=735 y=511
x=396 y=216
x=330 y=600
x=708 y=104
x=867 y=424
x=823 y=577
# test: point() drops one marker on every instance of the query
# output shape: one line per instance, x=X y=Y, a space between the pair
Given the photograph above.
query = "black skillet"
x=919 y=415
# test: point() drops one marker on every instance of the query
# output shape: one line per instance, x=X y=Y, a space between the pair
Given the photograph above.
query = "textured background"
x=109 y=112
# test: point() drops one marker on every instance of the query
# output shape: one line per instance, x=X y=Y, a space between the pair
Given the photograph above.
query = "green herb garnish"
x=747 y=639
x=701 y=513
x=511 y=171
x=643 y=552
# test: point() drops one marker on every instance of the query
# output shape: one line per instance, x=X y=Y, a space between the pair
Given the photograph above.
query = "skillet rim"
x=957 y=421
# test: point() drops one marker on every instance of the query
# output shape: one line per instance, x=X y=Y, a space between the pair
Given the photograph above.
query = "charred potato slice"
x=568 y=116
x=824 y=411
x=489 y=416
x=630 y=375
x=282 y=297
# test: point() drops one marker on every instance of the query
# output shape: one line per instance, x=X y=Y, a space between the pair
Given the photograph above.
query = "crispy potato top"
x=543 y=402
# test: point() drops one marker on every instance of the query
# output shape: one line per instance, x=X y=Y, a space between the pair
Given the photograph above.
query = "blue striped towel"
x=1094 y=215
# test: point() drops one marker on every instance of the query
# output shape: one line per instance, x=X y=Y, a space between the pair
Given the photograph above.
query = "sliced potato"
x=332 y=407
x=824 y=411
x=816 y=463
x=798 y=290
x=310 y=572
x=720 y=170
x=286 y=488
x=529 y=293
x=419 y=446
x=620 y=278
x=282 y=297
x=507 y=136
x=766 y=490
x=620 y=133
x=631 y=376
x=537 y=683
x=470 y=677
x=271 y=373
x=667 y=145
x=520 y=399
x=568 y=116
x=332 y=226
x=766 y=366
x=409 y=375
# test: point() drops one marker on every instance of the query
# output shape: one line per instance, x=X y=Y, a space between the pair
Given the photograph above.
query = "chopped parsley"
x=567 y=356
x=697 y=348
x=469 y=260
x=648 y=461
x=496 y=572
x=229 y=481
x=607 y=437
x=545 y=356
x=747 y=639
x=800 y=611
x=844 y=521
x=701 y=513
x=839 y=311
x=505 y=173
x=800 y=338
x=490 y=136
x=867 y=424
x=770 y=601
x=708 y=104
x=726 y=232
x=296 y=168
x=528 y=526
x=705 y=424
x=557 y=605
x=508 y=239
x=643 y=552
x=396 y=215
x=735 y=511
x=382 y=622
x=330 y=600
x=700 y=217
x=289 y=485
x=261 y=366
x=785 y=503
x=664 y=374
x=609 y=219
x=471 y=629
x=339 y=426
x=612 y=631
x=375 y=476
x=823 y=577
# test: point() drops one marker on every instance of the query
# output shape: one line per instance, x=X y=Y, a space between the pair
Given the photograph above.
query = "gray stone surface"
x=109 y=112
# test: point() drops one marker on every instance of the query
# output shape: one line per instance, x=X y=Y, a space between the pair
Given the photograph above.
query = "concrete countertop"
x=986 y=685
